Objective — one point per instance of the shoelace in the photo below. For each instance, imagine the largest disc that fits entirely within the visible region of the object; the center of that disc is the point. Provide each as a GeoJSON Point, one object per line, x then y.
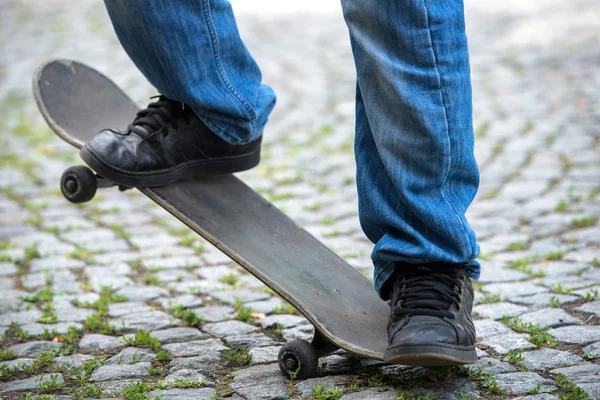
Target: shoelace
{"type": "Point", "coordinates": [428, 291]}
{"type": "Point", "coordinates": [157, 116]}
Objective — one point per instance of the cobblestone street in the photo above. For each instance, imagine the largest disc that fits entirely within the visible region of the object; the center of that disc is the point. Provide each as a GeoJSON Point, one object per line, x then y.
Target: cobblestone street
{"type": "Point", "coordinates": [117, 299]}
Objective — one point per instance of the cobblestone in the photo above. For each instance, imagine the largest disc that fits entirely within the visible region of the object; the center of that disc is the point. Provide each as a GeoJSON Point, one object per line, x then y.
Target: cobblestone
{"type": "Point", "coordinates": [548, 358]}
{"type": "Point", "coordinates": [183, 394]}
{"type": "Point", "coordinates": [263, 355]}
{"type": "Point", "coordinates": [549, 317]}
{"type": "Point", "coordinates": [100, 343]}
{"type": "Point", "coordinates": [74, 360]}
{"type": "Point", "coordinates": [492, 366]}
{"type": "Point", "coordinates": [372, 394]}
{"type": "Point", "coordinates": [502, 344]}
{"type": "Point", "coordinates": [132, 355]}
{"type": "Point", "coordinates": [120, 371]}
{"type": "Point", "coordinates": [188, 375]}
{"type": "Point", "coordinates": [586, 376]}
{"type": "Point", "coordinates": [486, 328]}
{"type": "Point", "coordinates": [593, 349]}
{"type": "Point", "coordinates": [305, 387]}
{"type": "Point", "coordinates": [181, 334]}
{"type": "Point", "coordinates": [34, 349]}
{"type": "Point", "coordinates": [448, 390]}
{"type": "Point", "coordinates": [591, 308]}
{"type": "Point", "coordinates": [29, 384]}
{"type": "Point", "coordinates": [194, 348]}
{"type": "Point", "coordinates": [498, 310]}
{"type": "Point", "coordinates": [260, 382]}
{"type": "Point", "coordinates": [535, 121]}
{"type": "Point", "coordinates": [147, 320]}
{"type": "Point", "coordinates": [523, 382]}
{"type": "Point", "coordinates": [229, 328]}
{"type": "Point", "coordinates": [577, 334]}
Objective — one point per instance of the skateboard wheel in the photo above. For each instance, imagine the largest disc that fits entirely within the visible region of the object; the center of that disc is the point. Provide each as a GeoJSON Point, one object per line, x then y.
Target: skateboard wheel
{"type": "Point", "coordinates": [78, 184]}
{"type": "Point", "coordinates": [298, 359]}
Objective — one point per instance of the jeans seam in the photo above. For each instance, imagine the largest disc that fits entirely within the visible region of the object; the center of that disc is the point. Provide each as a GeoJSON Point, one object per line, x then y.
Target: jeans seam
{"type": "Point", "coordinates": [444, 180]}
{"type": "Point", "coordinates": [217, 57]}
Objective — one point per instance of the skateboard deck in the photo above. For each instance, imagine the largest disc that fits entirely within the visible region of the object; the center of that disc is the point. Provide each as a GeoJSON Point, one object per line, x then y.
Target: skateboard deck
{"type": "Point", "coordinates": [78, 101]}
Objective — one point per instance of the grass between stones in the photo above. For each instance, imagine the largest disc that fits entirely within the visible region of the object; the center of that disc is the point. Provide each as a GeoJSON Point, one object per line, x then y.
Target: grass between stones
{"type": "Point", "coordinates": [151, 279]}
{"type": "Point", "coordinates": [558, 288]}
{"type": "Point", "coordinates": [189, 317]}
{"type": "Point", "coordinates": [321, 392]}
{"type": "Point", "coordinates": [514, 356]}
{"type": "Point", "coordinates": [554, 302]}
{"type": "Point", "coordinates": [139, 390]}
{"type": "Point", "coordinates": [8, 355]}
{"type": "Point", "coordinates": [591, 296]}
{"type": "Point", "coordinates": [76, 379]}
{"type": "Point", "coordinates": [52, 385]}
{"type": "Point", "coordinates": [584, 222]}
{"type": "Point", "coordinates": [82, 254]}
{"type": "Point", "coordinates": [244, 314]}
{"type": "Point", "coordinates": [142, 338]}
{"type": "Point", "coordinates": [285, 308]}
{"type": "Point", "coordinates": [537, 335]}
{"type": "Point", "coordinates": [568, 390]}
{"type": "Point", "coordinates": [17, 333]}
{"type": "Point", "coordinates": [44, 300]}
{"type": "Point", "coordinates": [98, 323]}
{"type": "Point", "coordinates": [107, 297]}
{"type": "Point", "coordinates": [518, 246]}
{"type": "Point", "coordinates": [484, 380]}
{"type": "Point", "coordinates": [238, 356]}
{"type": "Point", "coordinates": [489, 298]}
{"type": "Point", "coordinates": [555, 255]}
{"type": "Point", "coordinates": [230, 278]}
{"type": "Point", "coordinates": [523, 265]}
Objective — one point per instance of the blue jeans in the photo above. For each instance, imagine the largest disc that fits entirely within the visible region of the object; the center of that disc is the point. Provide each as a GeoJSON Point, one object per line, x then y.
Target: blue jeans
{"type": "Point", "coordinates": [416, 171]}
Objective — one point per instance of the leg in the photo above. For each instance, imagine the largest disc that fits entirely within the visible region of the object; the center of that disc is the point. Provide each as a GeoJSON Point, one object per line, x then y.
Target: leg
{"type": "Point", "coordinates": [213, 107]}
{"type": "Point", "coordinates": [191, 51]}
{"type": "Point", "coordinates": [414, 146]}
{"type": "Point", "coordinates": [416, 172]}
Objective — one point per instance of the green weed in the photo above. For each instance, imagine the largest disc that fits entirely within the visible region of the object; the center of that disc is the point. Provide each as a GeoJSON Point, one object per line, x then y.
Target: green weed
{"type": "Point", "coordinates": [189, 317]}
{"type": "Point", "coordinates": [98, 323]}
{"type": "Point", "coordinates": [321, 392]}
{"type": "Point", "coordinates": [489, 298]}
{"type": "Point", "coordinates": [7, 355]}
{"type": "Point", "coordinates": [518, 246]}
{"type": "Point", "coordinates": [584, 222]}
{"type": "Point", "coordinates": [142, 338]}
{"type": "Point", "coordinates": [239, 355]}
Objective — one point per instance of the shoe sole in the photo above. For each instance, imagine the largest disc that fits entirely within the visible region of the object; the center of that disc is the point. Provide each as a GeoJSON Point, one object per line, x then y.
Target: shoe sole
{"type": "Point", "coordinates": [431, 355]}
{"type": "Point", "coordinates": [187, 170]}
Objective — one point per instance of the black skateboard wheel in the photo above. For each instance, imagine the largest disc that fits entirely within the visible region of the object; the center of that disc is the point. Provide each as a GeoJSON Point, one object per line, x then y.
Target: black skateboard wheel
{"type": "Point", "coordinates": [78, 184]}
{"type": "Point", "coordinates": [298, 359]}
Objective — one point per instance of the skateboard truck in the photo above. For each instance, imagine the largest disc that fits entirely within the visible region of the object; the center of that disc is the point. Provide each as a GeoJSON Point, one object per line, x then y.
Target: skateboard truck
{"type": "Point", "coordinates": [79, 184]}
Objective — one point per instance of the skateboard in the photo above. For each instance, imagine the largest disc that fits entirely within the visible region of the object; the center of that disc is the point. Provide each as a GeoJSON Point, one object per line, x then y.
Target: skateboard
{"type": "Point", "coordinates": [77, 102]}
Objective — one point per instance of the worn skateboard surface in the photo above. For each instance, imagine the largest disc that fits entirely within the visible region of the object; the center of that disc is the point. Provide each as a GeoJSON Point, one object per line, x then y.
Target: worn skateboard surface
{"type": "Point", "coordinates": [77, 102]}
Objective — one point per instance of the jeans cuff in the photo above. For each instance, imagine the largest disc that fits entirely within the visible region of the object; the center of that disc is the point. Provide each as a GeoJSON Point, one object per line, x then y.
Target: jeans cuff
{"type": "Point", "coordinates": [383, 271]}
{"type": "Point", "coordinates": [232, 134]}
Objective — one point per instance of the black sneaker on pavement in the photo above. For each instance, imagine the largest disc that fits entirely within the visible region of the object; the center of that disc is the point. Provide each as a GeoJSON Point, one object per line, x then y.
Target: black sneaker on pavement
{"type": "Point", "coordinates": [165, 142]}
{"type": "Point", "coordinates": [430, 317]}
